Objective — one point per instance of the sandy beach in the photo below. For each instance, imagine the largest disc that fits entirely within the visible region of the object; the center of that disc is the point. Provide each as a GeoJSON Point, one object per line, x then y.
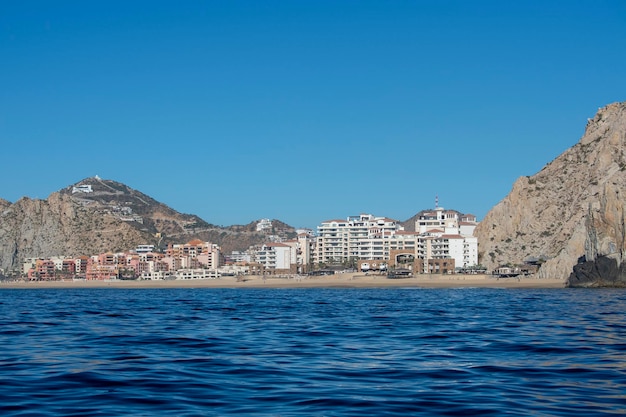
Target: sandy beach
{"type": "Point", "coordinates": [348, 280]}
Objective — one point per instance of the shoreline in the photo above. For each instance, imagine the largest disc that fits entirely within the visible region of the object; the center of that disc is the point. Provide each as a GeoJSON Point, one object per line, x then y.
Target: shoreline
{"type": "Point", "coordinates": [347, 280]}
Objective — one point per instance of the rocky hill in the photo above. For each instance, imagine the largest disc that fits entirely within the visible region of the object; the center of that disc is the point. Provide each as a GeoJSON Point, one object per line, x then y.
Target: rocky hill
{"type": "Point", "coordinates": [570, 215]}
{"type": "Point", "coordinates": [96, 215]}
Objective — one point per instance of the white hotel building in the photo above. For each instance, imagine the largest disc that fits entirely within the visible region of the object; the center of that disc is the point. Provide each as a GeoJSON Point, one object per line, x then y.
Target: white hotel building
{"type": "Point", "coordinates": [439, 234]}
{"type": "Point", "coordinates": [276, 257]}
{"type": "Point", "coordinates": [357, 237]}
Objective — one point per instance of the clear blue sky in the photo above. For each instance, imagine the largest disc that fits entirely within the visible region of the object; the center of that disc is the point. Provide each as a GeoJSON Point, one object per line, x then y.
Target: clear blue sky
{"type": "Point", "coordinates": [301, 110]}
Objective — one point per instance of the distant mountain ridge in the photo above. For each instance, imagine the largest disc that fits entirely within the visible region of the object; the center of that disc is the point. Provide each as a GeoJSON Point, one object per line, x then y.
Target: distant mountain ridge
{"type": "Point", "coordinates": [96, 215]}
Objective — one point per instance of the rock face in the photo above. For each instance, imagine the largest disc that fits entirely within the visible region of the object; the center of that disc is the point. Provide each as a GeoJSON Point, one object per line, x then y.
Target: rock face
{"type": "Point", "coordinates": [96, 215]}
{"type": "Point", "coordinates": [60, 226]}
{"type": "Point", "coordinates": [570, 215]}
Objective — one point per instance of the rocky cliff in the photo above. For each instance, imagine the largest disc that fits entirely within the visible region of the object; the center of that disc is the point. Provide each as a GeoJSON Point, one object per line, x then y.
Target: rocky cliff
{"type": "Point", "coordinates": [60, 226]}
{"type": "Point", "coordinates": [96, 215]}
{"type": "Point", "coordinates": [570, 215]}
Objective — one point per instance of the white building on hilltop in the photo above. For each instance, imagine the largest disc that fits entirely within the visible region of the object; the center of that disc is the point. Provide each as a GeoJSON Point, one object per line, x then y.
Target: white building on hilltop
{"type": "Point", "coordinates": [263, 224]}
{"type": "Point", "coordinates": [82, 188]}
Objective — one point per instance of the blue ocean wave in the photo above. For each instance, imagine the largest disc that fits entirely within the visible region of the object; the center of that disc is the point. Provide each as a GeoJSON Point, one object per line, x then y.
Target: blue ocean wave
{"type": "Point", "coordinates": [319, 352]}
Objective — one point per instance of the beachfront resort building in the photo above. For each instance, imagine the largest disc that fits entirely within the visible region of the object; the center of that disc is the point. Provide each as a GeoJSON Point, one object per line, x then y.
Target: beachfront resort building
{"type": "Point", "coordinates": [287, 257]}
{"type": "Point", "coordinates": [443, 241]}
{"type": "Point", "coordinates": [276, 257]}
{"type": "Point", "coordinates": [192, 260]}
{"type": "Point", "coordinates": [193, 254]}
{"type": "Point", "coordinates": [357, 237]}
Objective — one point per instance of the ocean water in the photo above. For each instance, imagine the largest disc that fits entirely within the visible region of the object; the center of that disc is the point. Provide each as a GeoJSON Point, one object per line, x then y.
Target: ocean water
{"type": "Point", "coordinates": [312, 352]}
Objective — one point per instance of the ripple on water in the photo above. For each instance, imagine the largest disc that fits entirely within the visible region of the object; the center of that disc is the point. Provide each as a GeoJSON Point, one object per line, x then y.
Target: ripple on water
{"type": "Point", "coordinates": [334, 352]}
